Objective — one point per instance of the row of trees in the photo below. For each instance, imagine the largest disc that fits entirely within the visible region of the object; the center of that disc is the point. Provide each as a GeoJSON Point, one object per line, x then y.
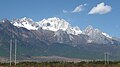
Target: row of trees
{"type": "Point", "coordinates": [63, 64]}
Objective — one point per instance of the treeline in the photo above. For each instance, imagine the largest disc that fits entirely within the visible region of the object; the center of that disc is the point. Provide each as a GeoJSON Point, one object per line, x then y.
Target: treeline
{"type": "Point", "coordinates": [63, 64]}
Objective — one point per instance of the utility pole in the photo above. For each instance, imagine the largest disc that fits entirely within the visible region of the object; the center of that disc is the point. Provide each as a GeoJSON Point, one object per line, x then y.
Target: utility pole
{"type": "Point", "coordinates": [10, 50]}
{"type": "Point", "coordinates": [15, 50]}
{"type": "Point", "coordinates": [106, 57]}
{"type": "Point", "coordinates": [13, 41]}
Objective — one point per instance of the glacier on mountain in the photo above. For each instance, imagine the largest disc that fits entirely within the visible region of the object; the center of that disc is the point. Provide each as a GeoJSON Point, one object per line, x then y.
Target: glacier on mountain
{"type": "Point", "coordinates": [52, 24]}
{"type": "Point", "coordinates": [55, 24]}
{"type": "Point", "coordinates": [25, 23]}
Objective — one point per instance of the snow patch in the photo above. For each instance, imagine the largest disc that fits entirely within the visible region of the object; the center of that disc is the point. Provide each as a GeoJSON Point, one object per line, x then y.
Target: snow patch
{"type": "Point", "coordinates": [106, 35]}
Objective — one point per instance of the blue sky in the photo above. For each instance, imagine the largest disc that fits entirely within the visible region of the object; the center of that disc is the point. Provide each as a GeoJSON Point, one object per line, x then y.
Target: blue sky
{"type": "Point", "coordinates": [105, 18]}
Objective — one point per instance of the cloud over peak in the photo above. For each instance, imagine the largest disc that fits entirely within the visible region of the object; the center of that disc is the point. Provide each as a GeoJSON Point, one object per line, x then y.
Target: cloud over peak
{"type": "Point", "coordinates": [100, 9]}
{"type": "Point", "coordinates": [76, 9]}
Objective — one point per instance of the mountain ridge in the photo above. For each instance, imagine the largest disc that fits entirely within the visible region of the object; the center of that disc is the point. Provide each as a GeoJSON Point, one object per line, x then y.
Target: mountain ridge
{"type": "Point", "coordinates": [47, 22]}
{"type": "Point", "coordinates": [59, 43]}
{"type": "Point", "coordinates": [55, 24]}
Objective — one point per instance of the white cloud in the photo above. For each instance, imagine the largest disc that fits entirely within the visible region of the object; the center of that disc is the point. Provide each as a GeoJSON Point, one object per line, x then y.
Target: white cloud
{"type": "Point", "coordinates": [65, 11]}
{"type": "Point", "coordinates": [76, 10]}
{"type": "Point", "coordinates": [100, 9]}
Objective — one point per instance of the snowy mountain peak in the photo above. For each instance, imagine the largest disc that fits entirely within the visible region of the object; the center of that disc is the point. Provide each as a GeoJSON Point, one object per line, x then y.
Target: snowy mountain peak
{"type": "Point", "coordinates": [52, 24]}
{"type": "Point", "coordinates": [25, 23]}
{"type": "Point", "coordinates": [25, 19]}
{"type": "Point", "coordinates": [106, 35]}
{"type": "Point", "coordinates": [96, 36]}
{"type": "Point", "coordinates": [89, 27]}
{"type": "Point", "coordinates": [4, 20]}
{"type": "Point", "coordinates": [55, 24]}
{"type": "Point", "coordinates": [89, 30]}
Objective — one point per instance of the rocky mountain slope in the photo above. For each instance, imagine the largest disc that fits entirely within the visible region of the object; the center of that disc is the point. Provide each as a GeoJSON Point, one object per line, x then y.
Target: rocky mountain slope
{"type": "Point", "coordinates": [55, 36]}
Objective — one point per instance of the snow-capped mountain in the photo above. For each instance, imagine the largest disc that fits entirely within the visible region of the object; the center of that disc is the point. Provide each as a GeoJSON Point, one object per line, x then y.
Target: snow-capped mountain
{"type": "Point", "coordinates": [55, 24]}
{"type": "Point", "coordinates": [97, 36]}
{"type": "Point", "coordinates": [52, 24]}
{"type": "Point", "coordinates": [54, 36]}
{"type": "Point", "coordinates": [25, 23]}
{"type": "Point", "coordinates": [60, 26]}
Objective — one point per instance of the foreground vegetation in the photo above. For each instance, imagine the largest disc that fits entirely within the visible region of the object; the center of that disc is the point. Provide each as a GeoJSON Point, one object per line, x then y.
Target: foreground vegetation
{"type": "Point", "coordinates": [63, 64]}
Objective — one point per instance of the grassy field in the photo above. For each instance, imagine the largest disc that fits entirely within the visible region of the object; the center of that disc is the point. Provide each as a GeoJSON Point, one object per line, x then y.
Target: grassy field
{"type": "Point", "coordinates": [62, 64]}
